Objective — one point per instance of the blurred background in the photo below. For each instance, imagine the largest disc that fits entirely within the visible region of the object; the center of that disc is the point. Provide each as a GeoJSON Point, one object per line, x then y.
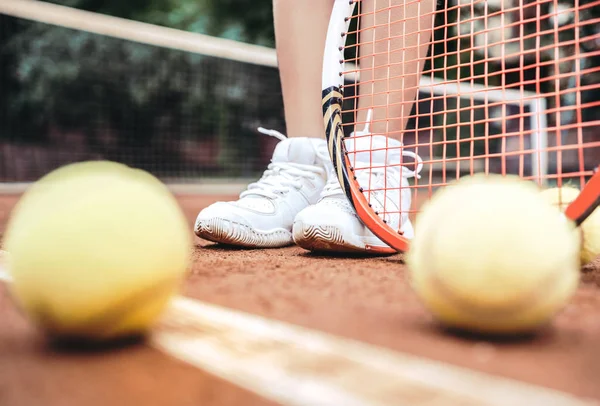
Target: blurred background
{"type": "Point", "coordinates": [69, 95]}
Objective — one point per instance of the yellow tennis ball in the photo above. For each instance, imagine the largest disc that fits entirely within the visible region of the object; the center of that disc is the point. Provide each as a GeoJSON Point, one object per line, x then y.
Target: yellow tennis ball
{"type": "Point", "coordinates": [97, 250]}
{"type": "Point", "coordinates": [589, 230]}
{"type": "Point", "coordinates": [561, 197]}
{"type": "Point", "coordinates": [491, 256]}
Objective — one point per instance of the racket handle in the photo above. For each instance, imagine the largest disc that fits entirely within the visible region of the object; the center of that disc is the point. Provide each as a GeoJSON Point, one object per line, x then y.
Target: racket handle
{"type": "Point", "coordinates": [587, 201]}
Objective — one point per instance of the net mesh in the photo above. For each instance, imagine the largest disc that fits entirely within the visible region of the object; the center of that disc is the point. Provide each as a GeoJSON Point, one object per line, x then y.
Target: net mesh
{"type": "Point", "coordinates": [71, 95]}
{"type": "Point", "coordinates": [502, 86]}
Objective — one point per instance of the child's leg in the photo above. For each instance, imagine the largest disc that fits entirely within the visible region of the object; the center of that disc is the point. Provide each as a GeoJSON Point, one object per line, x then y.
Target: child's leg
{"type": "Point", "coordinates": [388, 80]}
{"type": "Point", "coordinates": [300, 31]}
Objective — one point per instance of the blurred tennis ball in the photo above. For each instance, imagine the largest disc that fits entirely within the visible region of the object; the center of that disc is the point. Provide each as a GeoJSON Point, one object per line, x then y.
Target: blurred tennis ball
{"type": "Point", "coordinates": [588, 231]}
{"type": "Point", "coordinates": [491, 256]}
{"type": "Point", "coordinates": [97, 250]}
{"type": "Point", "coordinates": [561, 197]}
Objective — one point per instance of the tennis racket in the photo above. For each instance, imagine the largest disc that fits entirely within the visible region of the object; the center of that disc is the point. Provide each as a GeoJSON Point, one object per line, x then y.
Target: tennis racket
{"type": "Point", "coordinates": [390, 153]}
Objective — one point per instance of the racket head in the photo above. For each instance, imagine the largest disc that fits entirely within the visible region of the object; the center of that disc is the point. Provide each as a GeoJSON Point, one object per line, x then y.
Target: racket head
{"type": "Point", "coordinates": [525, 128]}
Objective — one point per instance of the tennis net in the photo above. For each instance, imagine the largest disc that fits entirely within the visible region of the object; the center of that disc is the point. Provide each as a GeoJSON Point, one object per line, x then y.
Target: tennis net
{"type": "Point", "coordinates": [78, 86]}
{"type": "Point", "coordinates": [84, 86]}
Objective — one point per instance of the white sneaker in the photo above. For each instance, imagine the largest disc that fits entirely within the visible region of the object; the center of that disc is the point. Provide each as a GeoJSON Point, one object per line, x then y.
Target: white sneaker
{"type": "Point", "coordinates": [264, 214]}
{"type": "Point", "coordinates": [332, 223]}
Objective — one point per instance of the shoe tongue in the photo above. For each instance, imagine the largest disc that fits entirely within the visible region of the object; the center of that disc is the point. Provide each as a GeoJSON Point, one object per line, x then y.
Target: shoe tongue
{"type": "Point", "coordinates": [295, 150]}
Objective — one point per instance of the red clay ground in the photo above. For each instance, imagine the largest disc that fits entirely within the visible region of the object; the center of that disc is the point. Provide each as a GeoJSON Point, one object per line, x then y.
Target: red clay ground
{"type": "Point", "coordinates": [365, 299]}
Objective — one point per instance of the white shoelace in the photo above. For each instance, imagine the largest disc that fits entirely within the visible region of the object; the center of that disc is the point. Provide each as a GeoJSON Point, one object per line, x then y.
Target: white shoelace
{"type": "Point", "coordinates": [281, 177]}
{"type": "Point", "coordinates": [333, 186]}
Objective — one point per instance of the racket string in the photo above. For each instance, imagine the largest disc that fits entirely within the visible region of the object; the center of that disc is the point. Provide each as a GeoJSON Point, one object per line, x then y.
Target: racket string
{"type": "Point", "coordinates": [467, 87]}
{"type": "Point", "coordinates": [383, 180]}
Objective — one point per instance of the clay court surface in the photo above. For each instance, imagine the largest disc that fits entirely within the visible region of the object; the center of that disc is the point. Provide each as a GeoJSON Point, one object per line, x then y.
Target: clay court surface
{"type": "Point", "coordinates": [364, 299]}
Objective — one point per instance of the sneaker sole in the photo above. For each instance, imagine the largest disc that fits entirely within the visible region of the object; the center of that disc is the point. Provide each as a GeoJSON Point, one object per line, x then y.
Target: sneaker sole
{"type": "Point", "coordinates": [231, 233]}
{"type": "Point", "coordinates": [331, 238]}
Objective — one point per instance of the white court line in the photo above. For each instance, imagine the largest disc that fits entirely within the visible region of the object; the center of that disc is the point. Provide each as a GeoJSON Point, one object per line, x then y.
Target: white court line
{"type": "Point", "coordinates": [4, 276]}
{"type": "Point", "coordinates": [297, 366]}
{"type": "Point", "coordinates": [300, 367]}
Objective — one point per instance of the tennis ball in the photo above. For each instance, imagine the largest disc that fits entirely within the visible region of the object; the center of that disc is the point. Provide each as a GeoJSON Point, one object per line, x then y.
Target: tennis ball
{"type": "Point", "coordinates": [588, 231]}
{"type": "Point", "coordinates": [491, 256]}
{"type": "Point", "coordinates": [97, 250]}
